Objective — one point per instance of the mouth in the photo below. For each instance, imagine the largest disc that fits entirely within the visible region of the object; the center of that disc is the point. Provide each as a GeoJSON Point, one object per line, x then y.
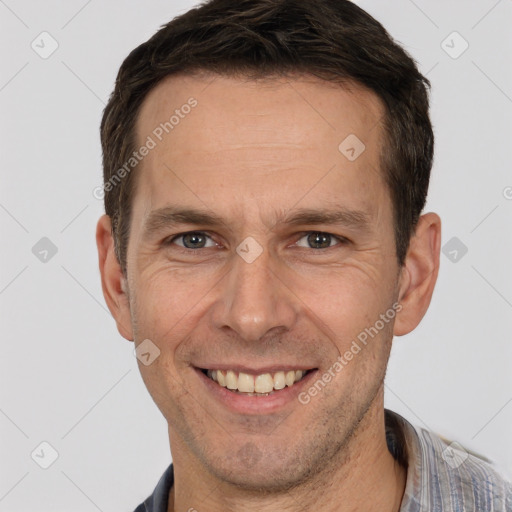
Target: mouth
{"type": "Point", "coordinates": [250, 384]}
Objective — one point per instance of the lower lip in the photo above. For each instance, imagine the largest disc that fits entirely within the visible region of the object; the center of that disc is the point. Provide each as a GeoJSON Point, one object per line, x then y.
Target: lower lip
{"type": "Point", "coordinates": [256, 405]}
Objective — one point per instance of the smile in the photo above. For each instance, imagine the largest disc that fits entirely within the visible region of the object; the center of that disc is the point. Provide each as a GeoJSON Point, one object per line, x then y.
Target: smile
{"type": "Point", "coordinates": [263, 384]}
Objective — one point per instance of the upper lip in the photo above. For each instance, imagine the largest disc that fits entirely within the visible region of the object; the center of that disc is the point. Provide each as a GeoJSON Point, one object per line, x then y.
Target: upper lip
{"type": "Point", "coordinates": [255, 371]}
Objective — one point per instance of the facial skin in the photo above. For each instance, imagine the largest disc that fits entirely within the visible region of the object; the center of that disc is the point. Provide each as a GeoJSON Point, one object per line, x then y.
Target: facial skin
{"type": "Point", "coordinates": [254, 154]}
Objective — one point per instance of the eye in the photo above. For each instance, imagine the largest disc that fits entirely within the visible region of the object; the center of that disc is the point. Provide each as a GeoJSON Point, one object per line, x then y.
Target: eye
{"type": "Point", "coordinates": [319, 240]}
{"type": "Point", "coordinates": [192, 240]}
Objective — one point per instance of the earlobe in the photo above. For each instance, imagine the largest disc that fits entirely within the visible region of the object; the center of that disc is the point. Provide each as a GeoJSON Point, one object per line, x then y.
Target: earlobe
{"type": "Point", "coordinates": [419, 274]}
{"type": "Point", "coordinates": [113, 282]}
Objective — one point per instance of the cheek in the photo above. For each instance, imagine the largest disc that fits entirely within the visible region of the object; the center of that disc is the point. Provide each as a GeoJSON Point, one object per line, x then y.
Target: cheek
{"type": "Point", "coordinates": [345, 299]}
{"type": "Point", "coordinates": [165, 312]}
{"type": "Point", "coordinates": [166, 296]}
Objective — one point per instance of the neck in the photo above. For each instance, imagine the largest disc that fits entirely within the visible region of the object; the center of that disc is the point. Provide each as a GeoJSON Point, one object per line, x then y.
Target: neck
{"type": "Point", "coordinates": [362, 476]}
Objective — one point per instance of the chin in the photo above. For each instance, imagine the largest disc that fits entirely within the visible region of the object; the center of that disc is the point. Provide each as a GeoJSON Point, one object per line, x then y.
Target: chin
{"type": "Point", "coordinates": [264, 468]}
{"type": "Point", "coordinates": [260, 479]}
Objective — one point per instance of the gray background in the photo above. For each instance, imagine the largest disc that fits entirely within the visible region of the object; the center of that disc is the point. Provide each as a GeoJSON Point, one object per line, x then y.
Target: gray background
{"type": "Point", "coordinates": [68, 378]}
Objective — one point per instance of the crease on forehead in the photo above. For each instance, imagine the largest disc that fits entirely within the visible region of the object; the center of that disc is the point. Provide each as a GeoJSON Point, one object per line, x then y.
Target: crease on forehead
{"type": "Point", "coordinates": [300, 128]}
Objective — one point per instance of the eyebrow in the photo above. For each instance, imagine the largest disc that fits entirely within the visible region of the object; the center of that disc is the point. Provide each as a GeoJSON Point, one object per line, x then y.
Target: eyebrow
{"type": "Point", "coordinates": [356, 219]}
{"type": "Point", "coordinates": [169, 217]}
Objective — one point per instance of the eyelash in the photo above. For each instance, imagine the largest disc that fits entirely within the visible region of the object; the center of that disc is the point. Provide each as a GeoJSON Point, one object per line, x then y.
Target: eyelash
{"type": "Point", "coordinates": [341, 240]}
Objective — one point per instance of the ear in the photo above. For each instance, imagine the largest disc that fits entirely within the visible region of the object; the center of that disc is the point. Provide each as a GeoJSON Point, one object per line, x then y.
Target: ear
{"type": "Point", "coordinates": [418, 275]}
{"type": "Point", "coordinates": [113, 281]}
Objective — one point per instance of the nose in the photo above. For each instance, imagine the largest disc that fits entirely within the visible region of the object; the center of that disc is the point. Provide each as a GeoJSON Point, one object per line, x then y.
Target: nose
{"type": "Point", "coordinates": [254, 300]}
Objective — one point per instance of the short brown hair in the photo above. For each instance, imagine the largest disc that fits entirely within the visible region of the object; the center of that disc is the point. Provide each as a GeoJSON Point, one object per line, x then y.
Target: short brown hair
{"type": "Point", "coordinates": [333, 40]}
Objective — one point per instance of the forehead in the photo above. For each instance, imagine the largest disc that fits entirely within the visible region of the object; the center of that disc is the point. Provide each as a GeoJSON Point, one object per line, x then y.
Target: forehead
{"type": "Point", "coordinates": [240, 140]}
{"type": "Point", "coordinates": [227, 102]}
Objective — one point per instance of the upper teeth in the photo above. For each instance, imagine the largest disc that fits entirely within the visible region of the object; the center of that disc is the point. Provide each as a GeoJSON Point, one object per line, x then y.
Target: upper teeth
{"type": "Point", "coordinates": [263, 383]}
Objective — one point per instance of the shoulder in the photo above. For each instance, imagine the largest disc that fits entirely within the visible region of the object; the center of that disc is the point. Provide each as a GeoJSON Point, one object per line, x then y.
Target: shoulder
{"type": "Point", "coordinates": [469, 478]}
{"type": "Point", "coordinates": [158, 501]}
{"type": "Point", "coordinates": [445, 476]}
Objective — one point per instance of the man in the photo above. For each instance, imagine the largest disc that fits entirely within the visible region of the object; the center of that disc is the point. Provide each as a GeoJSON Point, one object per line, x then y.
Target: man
{"type": "Point", "coordinates": [266, 166]}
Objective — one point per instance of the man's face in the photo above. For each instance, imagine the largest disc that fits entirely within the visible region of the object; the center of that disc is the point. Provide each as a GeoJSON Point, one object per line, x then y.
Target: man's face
{"type": "Point", "coordinates": [265, 284]}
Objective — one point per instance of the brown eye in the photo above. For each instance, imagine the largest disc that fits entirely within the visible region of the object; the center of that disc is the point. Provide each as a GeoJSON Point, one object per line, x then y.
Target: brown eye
{"type": "Point", "coordinates": [318, 240]}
